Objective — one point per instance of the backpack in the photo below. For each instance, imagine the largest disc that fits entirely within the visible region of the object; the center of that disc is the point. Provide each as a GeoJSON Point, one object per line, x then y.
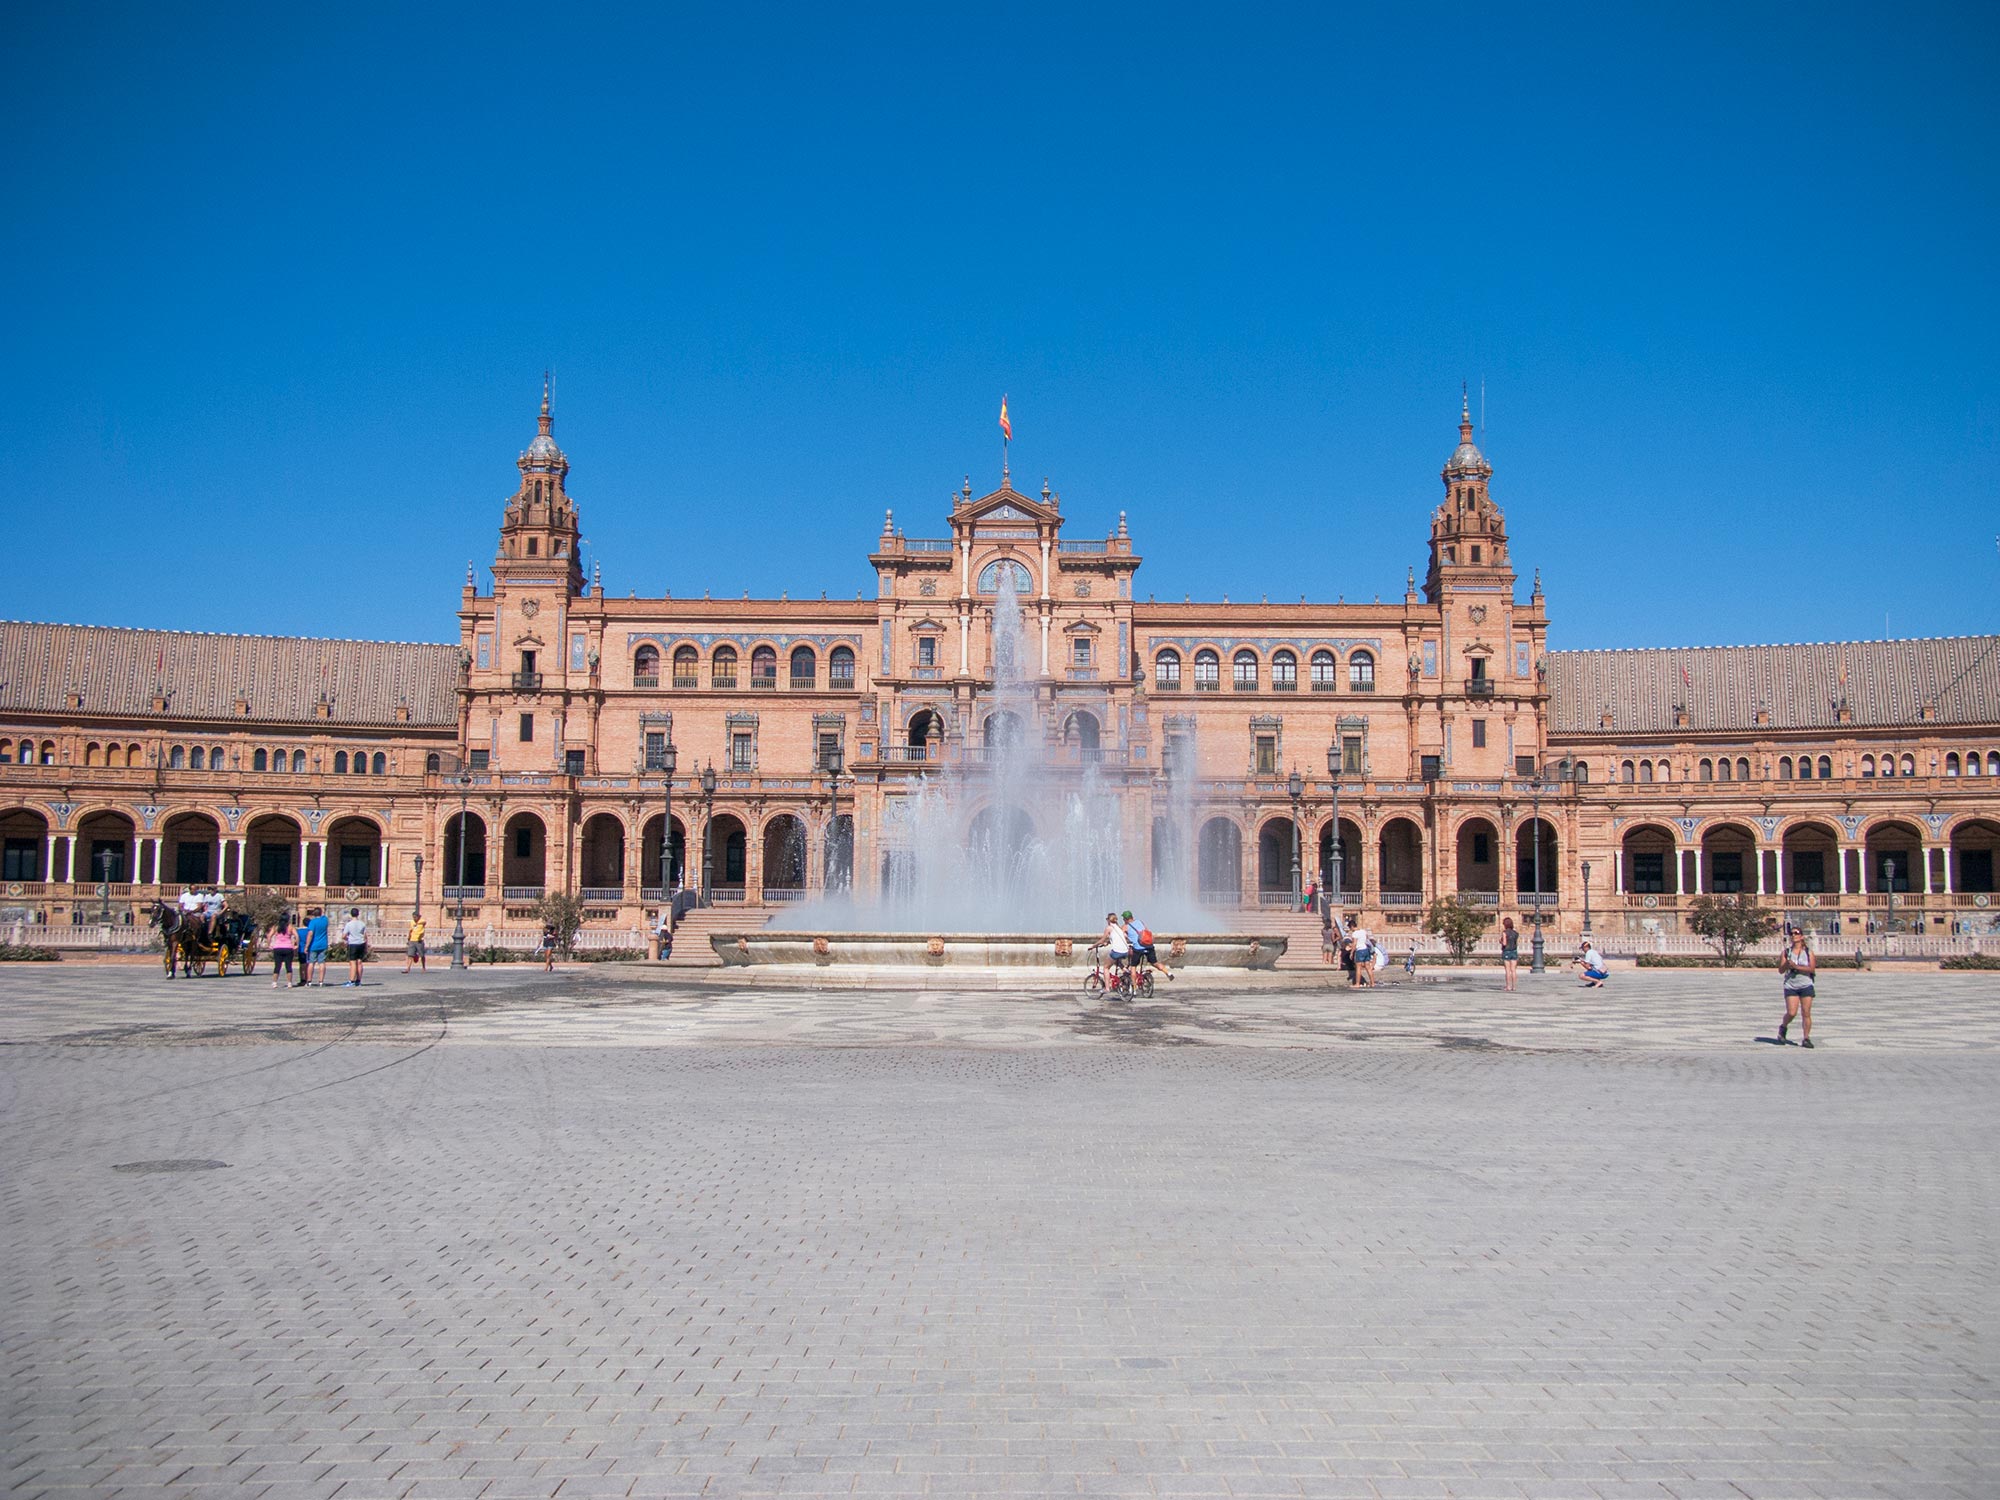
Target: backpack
{"type": "Point", "coordinates": [1146, 936]}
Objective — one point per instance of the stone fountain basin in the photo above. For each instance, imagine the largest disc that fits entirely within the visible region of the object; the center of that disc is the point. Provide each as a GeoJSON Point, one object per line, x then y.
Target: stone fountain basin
{"type": "Point", "coordinates": [983, 950]}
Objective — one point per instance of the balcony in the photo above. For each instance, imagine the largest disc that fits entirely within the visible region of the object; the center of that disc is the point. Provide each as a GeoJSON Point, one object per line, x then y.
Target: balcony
{"type": "Point", "coordinates": [647, 680]}
{"type": "Point", "coordinates": [686, 682]}
{"type": "Point", "coordinates": [723, 682]}
{"type": "Point", "coordinates": [1479, 687]}
{"type": "Point", "coordinates": [804, 684]}
{"type": "Point", "coordinates": [521, 893]}
{"type": "Point", "coordinates": [1284, 684]}
{"type": "Point", "coordinates": [840, 683]}
{"type": "Point", "coordinates": [762, 683]}
{"type": "Point", "coordinates": [601, 895]}
{"type": "Point", "coordinates": [527, 682]}
{"type": "Point", "coordinates": [1207, 687]}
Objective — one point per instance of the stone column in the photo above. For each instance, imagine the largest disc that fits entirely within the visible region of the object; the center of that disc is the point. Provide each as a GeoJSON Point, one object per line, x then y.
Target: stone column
{"type": "Point", "coordinates": [1757, 853]}
{"type": "Point", "coordinates": [1924, 858]}
{"type": "Point", "coordinates": [49, 860]}
{"type": "Point", "coordinates": [1696, 851]}
{"type": "Point", "coordinates": [1618, 869]}
{"type": "Point", "coordinates": [1947, 871]}
{"type": "Point", "coordinates": [1840, 866]}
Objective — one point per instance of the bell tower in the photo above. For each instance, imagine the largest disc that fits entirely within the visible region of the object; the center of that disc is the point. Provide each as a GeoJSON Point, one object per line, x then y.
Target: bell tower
{"type": "Point", "coordinates": [538, 534]}
{"type": "Point", "coordinates": [1468, 533]}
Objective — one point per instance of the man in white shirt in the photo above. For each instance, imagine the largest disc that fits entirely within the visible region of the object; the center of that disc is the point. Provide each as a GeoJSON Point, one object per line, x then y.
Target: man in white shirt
{"type": "Point", "coordinates": [354, 933]}
{"type": "Point", "coordinates": [1364, 956]}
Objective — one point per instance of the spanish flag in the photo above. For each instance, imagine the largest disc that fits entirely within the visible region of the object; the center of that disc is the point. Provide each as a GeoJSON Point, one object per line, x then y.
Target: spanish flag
{"type": "Point", "coordinates": [1006, 427]}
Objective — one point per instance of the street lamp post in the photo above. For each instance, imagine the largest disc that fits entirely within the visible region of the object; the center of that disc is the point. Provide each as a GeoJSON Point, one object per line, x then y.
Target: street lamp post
{"type": "Point", "coordinates": [1586, 895]}
{"type": "Point", "coordinates": [1333, 780]}
{"type": "Point", "coordinates": [707, 831]}
{"type": "Point", "coordinates": [1536, 960]}
{"type": "Point", "coordinates": [834, 761]}
{"type": "Point", "coordinates": [669, 761]}
{"type": "Point", "coordinates": [420, 883]}
{"type": "Point", "coordinates": [1296, 785]}
{"type": "Point", "coordinates": [464, 779]}
{"type": "Point", "coordinates": [1889, 880]}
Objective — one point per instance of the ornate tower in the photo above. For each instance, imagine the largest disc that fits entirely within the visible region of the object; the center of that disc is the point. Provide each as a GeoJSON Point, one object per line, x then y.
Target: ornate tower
{"type": "Point", "coordinates": [1468, 533]}
{"type": "Point", "coordinates": [538, 535]}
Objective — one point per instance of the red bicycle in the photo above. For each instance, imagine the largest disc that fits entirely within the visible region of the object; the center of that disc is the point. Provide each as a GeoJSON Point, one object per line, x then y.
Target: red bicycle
{"type": "Point", "coordinates": [1124, 980]}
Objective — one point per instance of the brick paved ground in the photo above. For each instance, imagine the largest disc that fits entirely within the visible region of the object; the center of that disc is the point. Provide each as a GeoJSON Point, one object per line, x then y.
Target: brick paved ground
{"type": "Point", "coordinates": [735, 1243]}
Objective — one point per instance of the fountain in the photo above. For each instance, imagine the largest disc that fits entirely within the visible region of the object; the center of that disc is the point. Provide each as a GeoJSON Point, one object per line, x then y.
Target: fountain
{"type": "Point", "coordinates": [1008, 858]}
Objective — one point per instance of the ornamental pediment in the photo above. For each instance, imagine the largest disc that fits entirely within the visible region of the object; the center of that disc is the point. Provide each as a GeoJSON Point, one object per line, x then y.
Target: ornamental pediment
{"type": "Point", "coordinates": [1006, 507]}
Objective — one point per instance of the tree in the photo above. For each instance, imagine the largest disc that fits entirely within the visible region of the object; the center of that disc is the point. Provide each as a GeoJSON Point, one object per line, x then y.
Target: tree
{"type": "Point", "coordinates": [1459, 923]}
{"type": "Point", "coordinates": [562, 912]}
{"type": "Point", "coordinates": [260, 903]}
{"type": "Point", "coordinates": [1730, 923]}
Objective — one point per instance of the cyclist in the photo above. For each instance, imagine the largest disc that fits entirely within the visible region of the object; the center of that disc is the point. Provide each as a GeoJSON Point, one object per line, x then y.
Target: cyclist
{"type": "Point", "coordinates": [1140, 937]}
{"type": "Point", "coordinates": [1118, 944]}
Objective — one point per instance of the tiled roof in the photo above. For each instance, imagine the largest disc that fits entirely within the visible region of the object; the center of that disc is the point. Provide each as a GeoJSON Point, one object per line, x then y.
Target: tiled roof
{"type": "Point", "coordinates": [1884, 682]}
{"type": "Point", "coordinates": [117, 673]}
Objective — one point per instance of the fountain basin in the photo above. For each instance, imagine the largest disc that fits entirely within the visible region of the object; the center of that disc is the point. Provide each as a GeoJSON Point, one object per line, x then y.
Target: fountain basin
{"type": "Point", "coordinates": [1060, 952]}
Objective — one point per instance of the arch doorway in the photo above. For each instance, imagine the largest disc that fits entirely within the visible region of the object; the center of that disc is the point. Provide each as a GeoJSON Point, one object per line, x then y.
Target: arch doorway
{"type": "Point", "coordinates": [649, 856]}
{"type": "Point", "coordinates": [105, 848]}
{"type": "Point", "coordinates": [524, 853]}
{"type": "Point", "coordinates": [24, 835]}
{"type": "Point", "coordinates": [1478, 858]}
{"type": "Point", "coordinates": [470, 876]}
{"type": "Point", "coordinates": [601, 856]}
{"type": "Point", "coordinates": [926, 734]}
{"type": "Point", "coordinates": [1402, 860]}
{"type": "Point", "coordinates": [191, 846]}
{"type": "Point", "coordinates": [729, 855]}
{"type": "Point", "coordinates": [273, 851]}
{"type": "Point", "coordinates": [784, 855]}
{"type": "Point", "coordinates": [354, 845]}
{"type": "Point", "coordinates": [1649, 864]}
{"type": "Point", "coordinates": [1274, 858]}
{"type": "Point", "coordinates": [1349, 876]}
{"type": "Point", "coordinates": [1219, 861]}
{"type": "Point", "coordinates": [1728, 860]}
{"type": "Point", "coordinates": [1975, 850]}
{"type": "Point", "coordinates": [1537, 866]}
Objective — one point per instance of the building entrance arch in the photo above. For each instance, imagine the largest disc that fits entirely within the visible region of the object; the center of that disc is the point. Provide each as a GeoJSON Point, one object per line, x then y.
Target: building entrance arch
{"type": "Point", "coordinates": [24, 840]}
{"type": "Point", "coordinates": [601, 854]}
{"type": "Point", "coordinates": [784, 854]}
{"type": "Point", "coordinates": [1649, 864]}
{"type": "Point", "coordinates": [1728, 860]}
{"type": "Point", "coordinates": [106, 848]}
{"type": "Point", "coordinates": [474, 867]}
{"type": "Point", "coordinates": [354, 845]}
{"type": "Point", "coordinates": [271, 855]}
{"type": "Point", "coordinates": [192, 846]}
{"type": "Point", "coordinates": [1975, 850]}
{"type": "Point", "coordinates": [1477, 858]}
{"type": "Point", "coordinates": [1401, 852]}
{"type": "Point", "coordinates": [1219, 861]}
{"type": "Point", "coordinates": [524, 855]}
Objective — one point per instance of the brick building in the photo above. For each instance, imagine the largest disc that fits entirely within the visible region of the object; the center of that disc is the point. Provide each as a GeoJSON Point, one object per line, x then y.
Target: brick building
{"type": "Point", "coordinates": [1432, 744]}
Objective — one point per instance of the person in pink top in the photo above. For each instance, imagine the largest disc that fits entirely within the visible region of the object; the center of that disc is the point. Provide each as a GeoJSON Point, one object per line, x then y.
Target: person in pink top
{"type": "Point", "coordinates": [284, 943]}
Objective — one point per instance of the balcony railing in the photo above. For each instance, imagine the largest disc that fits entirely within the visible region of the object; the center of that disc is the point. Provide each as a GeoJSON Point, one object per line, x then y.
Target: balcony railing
{"type": "Point", "coordinates": [764, 683]}
{"type": "Point", "coordinates": [804, 684]}
{"type": "Point", "coordinates": [1479, 687]}
{"type": "Point", "coordinates": [1284, 684]}
{"type": "Point", "coordinates": [521, 892]}
{"type": "Point", "coordinates": [723, 895]}
{"type": "Point", "coordinates": [686, 682]}
{"type": "Point", "coordinates": [1210, 686]}
{"type": "Point", "coordinates": [926, 544]}
{"type": "Point", "coordinates": [647, 680]}
{"type": "Point", "coordinates": [840, 682]}
{"type": "Point", "coordinates": [527, 682]}
{"type": "Point", "coordinates": [1402, 898]}
{"type": "Point", "coordinates": [784, 893]}
{"type": "Point", "coordinates": [723, 681]}
{"type": "Point", "coordinates": [601, 894]}
{"type": "Point", "coordinates": [463, 893]}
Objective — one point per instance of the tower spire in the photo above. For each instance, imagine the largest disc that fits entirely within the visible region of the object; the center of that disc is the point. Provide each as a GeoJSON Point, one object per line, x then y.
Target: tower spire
{"type": "Point", "coordinates": [545, 423]}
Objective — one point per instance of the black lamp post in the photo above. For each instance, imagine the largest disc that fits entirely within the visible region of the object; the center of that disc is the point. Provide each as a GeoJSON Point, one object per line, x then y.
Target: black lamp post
{"type": "Point", "coordinates": [1296, 785]}
{"type": "Point", "coordinates": [1889, 880]}
{"type": "Point", "coordinates": [464, 780]}
{"type": "Point", "coordinates": [707, 831]}
{"type": "Point", "coordinates": [1536, 956]}
{"type": "Point", "coordinates": [1333, 780]}
{"type": "Point", "coordinates": [1586, 895]}
{"type": "Point", "coordinates": [834, 760]}
{"type": "Point", "coordinates": [420, 884]}
{"type": "Point", "coordinates": [669, 761]}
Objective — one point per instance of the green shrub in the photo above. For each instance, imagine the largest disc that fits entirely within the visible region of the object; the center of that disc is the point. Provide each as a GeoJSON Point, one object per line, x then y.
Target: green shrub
{"type": "Point", "coordinates": [27, 953]}
{"type": "Point", "coordinates": [1755, 961]}
{"type": "Point", "coordinates": [608, 955]}
{"type": "Point", "coordinates": [1971, 961]}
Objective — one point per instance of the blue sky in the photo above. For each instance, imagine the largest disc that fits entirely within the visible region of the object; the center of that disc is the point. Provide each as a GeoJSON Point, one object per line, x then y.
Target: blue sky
{"type": "Point", "coordinates": [284, 286]}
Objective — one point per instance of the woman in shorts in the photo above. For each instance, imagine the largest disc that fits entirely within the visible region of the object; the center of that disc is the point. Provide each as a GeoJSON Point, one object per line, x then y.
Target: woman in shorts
{"type": "Point", "coordinates": [414, 953]}
{"type": "Point", "coordinates": [1798, 967]}
{"type": "Point", "coordinates": [1510, 949]}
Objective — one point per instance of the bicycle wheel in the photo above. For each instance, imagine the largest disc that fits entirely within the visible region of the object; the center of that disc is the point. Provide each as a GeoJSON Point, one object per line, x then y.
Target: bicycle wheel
{"type": "Point", "coordinates": [1145, 983]}
{"type": "Point", "coordinates": [1093, 983]}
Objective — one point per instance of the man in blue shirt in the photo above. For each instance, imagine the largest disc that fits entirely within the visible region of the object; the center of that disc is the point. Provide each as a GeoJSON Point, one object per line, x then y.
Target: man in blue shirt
{"type": "Point", "coordinates": [312, 944]}
{"type": "Point", "coordinates": [1141, 938]}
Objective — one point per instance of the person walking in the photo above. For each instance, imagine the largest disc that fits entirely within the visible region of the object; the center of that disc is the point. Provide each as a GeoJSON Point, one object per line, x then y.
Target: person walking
{"type": "Point", "coordinates": [1364, 959]}
{"type": "Point", "coordinates": [1510, 951]}
{"type": "Point", "coordinates": [414, 953]}
{"type": "Point", "coordinates": [548, 947]}
{"type": "Point", "coordinates": [284, 943]}
{"type": "Point", "coordinates": [1798, 966]}
{"type": "Point", "coordinates": [354, 933]}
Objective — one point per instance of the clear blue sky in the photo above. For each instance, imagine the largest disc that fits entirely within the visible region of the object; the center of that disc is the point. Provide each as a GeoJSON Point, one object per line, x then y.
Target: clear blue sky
{"type": "Point", "coordinates": [283, 286]}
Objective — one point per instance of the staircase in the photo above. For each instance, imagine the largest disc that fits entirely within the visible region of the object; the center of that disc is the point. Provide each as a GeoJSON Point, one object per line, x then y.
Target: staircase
{"type": "Point", "coordinates": [1300, 929]}
{"type": "Point", "coordinates": [692, 949]}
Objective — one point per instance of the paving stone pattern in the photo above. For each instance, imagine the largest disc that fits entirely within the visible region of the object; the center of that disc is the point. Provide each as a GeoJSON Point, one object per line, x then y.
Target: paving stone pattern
{"type": "Point", "coordinates": [1338, 1251]}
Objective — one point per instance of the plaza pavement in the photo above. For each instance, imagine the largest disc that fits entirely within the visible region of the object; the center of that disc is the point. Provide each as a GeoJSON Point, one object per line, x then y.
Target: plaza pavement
{"type": "Point", "coordinates": [592, 1234]}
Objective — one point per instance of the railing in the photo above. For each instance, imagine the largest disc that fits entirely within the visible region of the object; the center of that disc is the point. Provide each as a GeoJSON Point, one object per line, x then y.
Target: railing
{"type": "Point", "coordinates": [463, 893]}
{"type": "Point", "coordinates": [1401, 898]}
{"type": "Point", "coordinates": [840, 682]}
{"type": "Point", "coordinates": [521, 892]}
{"type": "Point", "coordinates": [1281, 685]}
{"type": "Point", "coordinates": [780, 894]}
{"type": "Point", "coordinates": [1536, 902]}
{"type": "Point", "coordinates": [1652, 900]}
{"type": "Point", "coordinates": [725, 894]}
{"type": "Point", "coordinates": [1479, 687]}
{"type": "Point", "coordinates": [1083, 546]}
{"type": "Point", "coordinates": [1479, 898]}
{"type": "Point", "coordinates": [686, 682]}
{"type": "Point", "coordinates": [907, 752]}
{"type": "Point", "coordinates": [925, 544]}
{"type": "Point", "coordinates": [649, 680]}
{"type": "Point", "coordinates": [1221, 896]}
{"type": "Point", "coordinates": [89, 888]}
{"type": "Point", "coordinates": [723, 682]}
{"type": "Point", "coordinates": [601, 894]}
{"type": "Point", "coordinates": [1274, 898]}
{"type": "Point", "coordinates": [804, 684]}
{"type": "Point", "coordinates": [927, 674]}
{"type": "Point", "coordinates": [1211, 686]}
{"type": "Point", "coordinates": [763, 683]}
{"type": "Point", "coordinates": [1320, 685]}
{"type": "Point", "coordinates": [527, 682]}
{"type": "Point", "coordinates": [1245, 685]}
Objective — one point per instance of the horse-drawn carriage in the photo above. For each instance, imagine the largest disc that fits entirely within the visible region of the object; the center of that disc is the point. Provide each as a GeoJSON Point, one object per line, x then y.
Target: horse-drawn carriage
{"type": "Point", "coordinates": [192, 944]}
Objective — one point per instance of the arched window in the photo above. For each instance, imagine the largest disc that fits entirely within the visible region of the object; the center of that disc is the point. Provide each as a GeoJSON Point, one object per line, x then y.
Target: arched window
{"type": "Point", "coordinates": [1207, 671]}
{"type": "Point", "coordinates": [840, 669]}
{"type": "Point", "coordinates": [1243, 671]}
{"type": "Point", "coordinates": [1005, 569]}
{"type": "Point", "coordinates": [805, 669]}
{"type": "Point", "coordinates": [1361, 672]}
{"type": "Point", "coordinates": [646, 667]}
{"type": "Point", "coordinates": [1784, 768]}
{"type": "Point", "coordinates": [49, 752]}
{"type": "Point", "coordinates": [1706, 770]}
{"type": "Point", "coordinates": [1867, 767]}
{"type": "Point", "coordinates": [1723, 771]}
{"type": "Point", "coordinates": [215, 759]}
{"type": "Point", "coordinates": [361, 763]}
{"type": "Point", "coordinates": [1742, 768]}
{"type": "Point", "coordinates": [1972, 763]}
{"type": "Point", "coordinates": [380, 764]}
{"type": "Point", "coordinates": [1951, 764]}
{"type": "Point", "coordinates": [1805, 768]}
{"type": "Point", "coordinates": [93, 755]}
{"type": "Point", "coordinates": [1826, 768]}
{"type": "Point", "coordinates": [687, 667]}
{"type": "Point", "coordinates": [1646, 773]}
{"type": "Point", "coordinates": [259, 760]}
{"type": "Point", "coordinates": [1325, 672]}
{"type": "Point", "coordinates": [1284, 672]}
{"type": "Point", "coordinates": [1993, 762]}
{"type": "Point", "coordinates": [197, 758]}
{"type": "Point", "coordinates": [340, 761]}
{"type": "Point", "coordinates": [722, 667]}
{"type": "Point", "coordinates": [764, 667]}
{"type": "Point", "coordinates": [1909, 765]}
{"type": "Point", "coordinates": [278, 760]}
{"type": "Point", "coordinates": [1167, 671]}
{"type": "Point", "coordinates": [433, 763]}
{"type": "Point", "coordinates": [1627, 773]}
{"type": "Point", "coordinates": [1583, 770]}
{"type": "Point", "coordinates": [298, 761]}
